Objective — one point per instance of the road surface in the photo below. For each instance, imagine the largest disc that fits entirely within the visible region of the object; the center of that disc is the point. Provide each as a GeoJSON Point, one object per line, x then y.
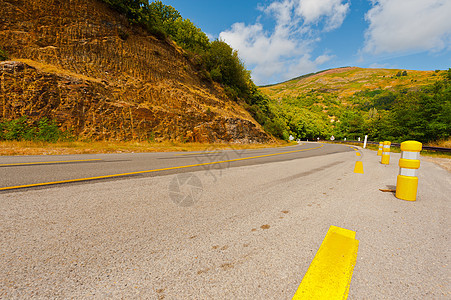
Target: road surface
{"type": "Point", "coordinates": [29, 171]}
{"type": "Point", "coordinates": [238, 232]}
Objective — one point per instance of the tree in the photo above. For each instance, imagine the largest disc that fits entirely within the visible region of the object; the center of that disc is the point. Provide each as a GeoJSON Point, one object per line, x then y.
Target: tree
{"type": "Point", "coordinates": [3, 55]}
{"type": "Point", "coordinates": [164, 16]}
{"type": "Point", "coordinates": [189, 36]}
{"type": "Point", "coordinates": [226, 67]}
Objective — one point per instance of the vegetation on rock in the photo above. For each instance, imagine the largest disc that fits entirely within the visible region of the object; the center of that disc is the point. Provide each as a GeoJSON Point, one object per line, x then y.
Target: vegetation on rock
{"type": "Point", "coordinates": [3, 55]}
{"type": "Point", "coordinates": [24, 129]}
{"type": "Point", "coordinates": [216, 60]}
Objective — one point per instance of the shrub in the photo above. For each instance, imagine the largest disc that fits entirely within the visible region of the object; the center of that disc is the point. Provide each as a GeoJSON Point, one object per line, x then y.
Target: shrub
{"type": "Point", "coordinates": [3, 55]}
{"type": "Point", "coordinates": [23, 129]}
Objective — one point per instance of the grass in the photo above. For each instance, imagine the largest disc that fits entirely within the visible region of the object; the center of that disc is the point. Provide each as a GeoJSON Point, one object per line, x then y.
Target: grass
{"type": "Point", "coordinates": [354, 80]}
{"type": "Point", "coordinates": [444, 143]}
{"type": "Point", "coordinates": [47, 68]}
{"type": "Point", "coordinates": [10, 148]}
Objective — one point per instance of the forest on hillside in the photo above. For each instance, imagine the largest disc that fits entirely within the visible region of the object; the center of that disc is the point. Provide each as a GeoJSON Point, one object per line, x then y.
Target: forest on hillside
{"type": "Point", "coordinates": [422, 114]}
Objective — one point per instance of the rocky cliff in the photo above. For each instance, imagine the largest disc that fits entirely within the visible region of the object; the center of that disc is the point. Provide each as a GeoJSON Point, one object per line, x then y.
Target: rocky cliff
{"type": "Point", "coordinates": [84, 65]}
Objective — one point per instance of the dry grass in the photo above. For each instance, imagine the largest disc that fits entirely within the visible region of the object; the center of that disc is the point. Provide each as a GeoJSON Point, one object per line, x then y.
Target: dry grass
{"type": "Point", "coordinates": [48, 68]}
{"type": "Point", "coordinates": [443, 143]}
{"type": "Point", "coordinates": [10, 148]}
{"type": "Point", "coordinates": [347, 81]}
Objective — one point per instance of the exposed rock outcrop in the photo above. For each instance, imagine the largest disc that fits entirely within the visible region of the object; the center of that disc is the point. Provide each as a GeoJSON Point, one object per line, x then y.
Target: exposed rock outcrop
{"type": "Point", "coordinates": [81, 63]}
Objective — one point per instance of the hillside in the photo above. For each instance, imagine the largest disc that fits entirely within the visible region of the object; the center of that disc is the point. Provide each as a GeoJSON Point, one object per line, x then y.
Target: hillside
{"type": "Point", "coordinates": [84, 65]}
{"type": "Point", "coordinates": [352, 102]}
{"type": "Point", "coordinates": [346, 82]}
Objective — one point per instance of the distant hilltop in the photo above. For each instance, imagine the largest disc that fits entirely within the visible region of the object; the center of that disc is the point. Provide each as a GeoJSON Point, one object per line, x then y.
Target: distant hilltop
{"type": "Point", "coordinates": [347, 81]}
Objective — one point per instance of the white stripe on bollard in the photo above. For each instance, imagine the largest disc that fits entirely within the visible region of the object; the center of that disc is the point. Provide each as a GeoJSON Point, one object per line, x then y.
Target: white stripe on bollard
{"type": "Point", "coordinates": [408, 172]}
{"type": "Point", "coordinates": [410, 155]}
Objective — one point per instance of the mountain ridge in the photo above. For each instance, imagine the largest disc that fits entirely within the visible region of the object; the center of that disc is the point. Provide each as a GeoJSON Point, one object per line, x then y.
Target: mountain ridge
{"type": "Point", "coordinates": [359, 75]}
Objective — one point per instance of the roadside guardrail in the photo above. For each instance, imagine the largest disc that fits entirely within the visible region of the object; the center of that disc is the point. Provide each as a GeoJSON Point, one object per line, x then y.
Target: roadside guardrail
{"type": "Point", "coordinates": [440, 149]}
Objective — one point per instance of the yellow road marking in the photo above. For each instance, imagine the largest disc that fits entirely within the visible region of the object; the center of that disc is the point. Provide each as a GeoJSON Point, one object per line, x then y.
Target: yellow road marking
{"type": "Point", "coordinates": [46, 162]}
{"type": "Point", "coordinates": [223, 150]}
{"type": "Point", "coordinates": [148, 171]}
{"type": "Point", "coordinates": [329, 275]}
{"type": "Point", "coordinates": [198, 153]}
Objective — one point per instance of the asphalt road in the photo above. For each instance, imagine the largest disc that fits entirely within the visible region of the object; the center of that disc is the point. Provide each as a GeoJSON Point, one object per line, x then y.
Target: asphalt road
{"type": "Point", "coordinates": [17, 171]}
{"type": "Point", "coordinates": [239, 232]}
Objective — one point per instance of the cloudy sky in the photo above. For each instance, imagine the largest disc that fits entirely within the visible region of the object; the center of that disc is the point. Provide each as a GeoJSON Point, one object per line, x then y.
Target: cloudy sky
{"type": "Point", "coordinates": [281, 39]}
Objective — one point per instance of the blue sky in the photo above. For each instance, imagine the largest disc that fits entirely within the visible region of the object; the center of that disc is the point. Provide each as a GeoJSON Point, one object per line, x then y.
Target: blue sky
{"type": "Point", "coordinates": [281, 39]}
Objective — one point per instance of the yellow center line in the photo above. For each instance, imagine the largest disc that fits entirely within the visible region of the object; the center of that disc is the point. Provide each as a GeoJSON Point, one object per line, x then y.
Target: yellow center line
{"type": "Point", "coordinates": [198, 153]}
{"type": "Point", "coordinates": [47, 162]}
{"type": "Point", "coordinates": [223, 150]}
{"type": "Point", "coordinates": [148, 171]}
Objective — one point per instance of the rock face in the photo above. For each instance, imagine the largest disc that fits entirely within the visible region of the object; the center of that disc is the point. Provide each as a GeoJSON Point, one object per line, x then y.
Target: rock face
{"type": "Point", "coordinates": [82, 64]}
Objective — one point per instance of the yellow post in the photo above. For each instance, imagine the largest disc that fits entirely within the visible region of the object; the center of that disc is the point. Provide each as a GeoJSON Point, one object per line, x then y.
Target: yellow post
{"type": "Point", "coordinates": [379, 152]}
{"type": "Point", "coordinates": [407, 181]}
{"type": "Point", "coordinates": [386, 153]}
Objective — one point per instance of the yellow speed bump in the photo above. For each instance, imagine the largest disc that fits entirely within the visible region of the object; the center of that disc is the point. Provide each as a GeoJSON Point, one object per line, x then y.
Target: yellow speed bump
{"type": "Point", "coordinates": [329, 275]}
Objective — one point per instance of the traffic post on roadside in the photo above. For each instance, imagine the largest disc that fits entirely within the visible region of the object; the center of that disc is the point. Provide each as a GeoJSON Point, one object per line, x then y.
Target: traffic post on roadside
{"type": "Point", "coordinates": [386, 153]}
{"type": "Point", "coordinates": [409, 163]}
{"type": "Point", "coordinates": [381, 146]}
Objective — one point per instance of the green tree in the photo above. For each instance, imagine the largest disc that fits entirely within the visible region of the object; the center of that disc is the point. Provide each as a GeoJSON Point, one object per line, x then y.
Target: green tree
{"type": "Point", "coordinates": [166, 16]}
{"type": "Point", "coordinates": [3, 55]}
{"type": "Point", "coordinates": [189, 36]}
{"type": "Point", "coordinates": [226, 67]}
{"type": "Point", "coordinates": [350, 125]}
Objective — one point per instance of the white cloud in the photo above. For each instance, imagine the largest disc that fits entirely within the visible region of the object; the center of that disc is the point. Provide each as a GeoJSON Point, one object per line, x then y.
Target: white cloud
{"type": "Point", "coordinates": [313, 11]}
{"type": "Point", "coordinates": [406, 26]}
{"type": "Point", "coordinates": [306, 65]}
{"type": "Point", "coordinates": [284, 51]}
{"type": "Point", "coordinates": [381, 66]}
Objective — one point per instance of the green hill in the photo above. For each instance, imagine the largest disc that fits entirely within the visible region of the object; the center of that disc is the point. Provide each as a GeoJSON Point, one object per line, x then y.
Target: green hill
{"type": "Point", "coordinates": [351, 102]}
{"type": "Point", "coordinates": [346, 82]}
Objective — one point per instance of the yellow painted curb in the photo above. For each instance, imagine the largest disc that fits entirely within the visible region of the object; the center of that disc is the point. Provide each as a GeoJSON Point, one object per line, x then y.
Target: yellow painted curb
{"type": "Point", "coordinates": [358, 167]}
{"type": "Point", "coordinates": [329, 275]}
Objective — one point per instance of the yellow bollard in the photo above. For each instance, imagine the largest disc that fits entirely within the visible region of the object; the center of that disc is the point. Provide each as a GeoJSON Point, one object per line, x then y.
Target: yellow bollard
{"type": "Point", "coordinates": [407, 181]}
{"type": "Point", "coordinates": [358, 168]}
{"type": "Point", "coordinates": [386, 153]}
{"type": "Point", "coordinates": [379, 152]}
